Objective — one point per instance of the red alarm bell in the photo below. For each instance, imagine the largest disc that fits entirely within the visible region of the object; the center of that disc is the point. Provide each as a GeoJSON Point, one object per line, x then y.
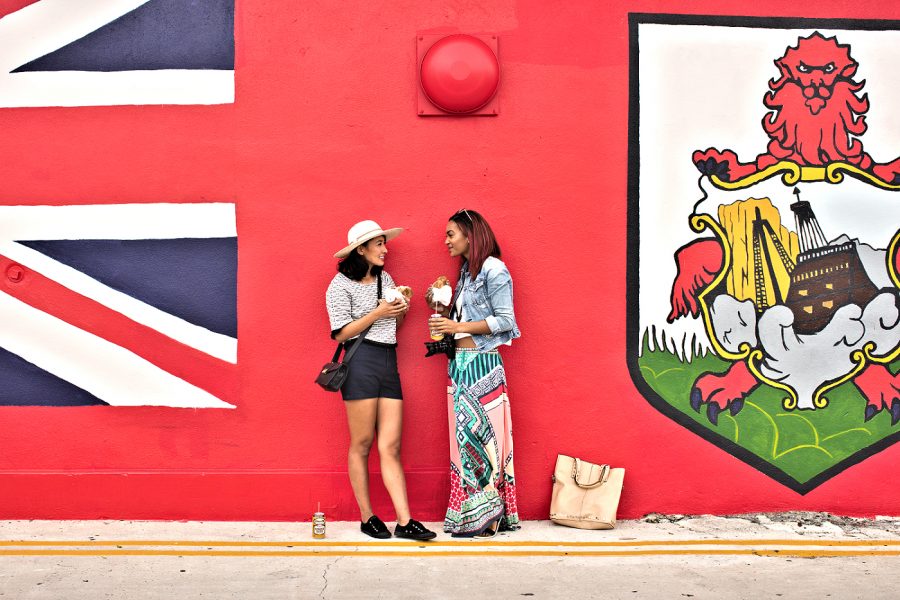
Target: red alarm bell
{"type": "Point", "coordinates": [458, 75]}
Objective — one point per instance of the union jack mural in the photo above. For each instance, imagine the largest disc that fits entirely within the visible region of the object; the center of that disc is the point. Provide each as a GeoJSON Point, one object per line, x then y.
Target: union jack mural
{"type": "Point", "coordinates": [117, 304]}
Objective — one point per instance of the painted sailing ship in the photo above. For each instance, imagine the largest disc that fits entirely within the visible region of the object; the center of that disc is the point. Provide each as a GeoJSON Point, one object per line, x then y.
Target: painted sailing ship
{"type": "Point", "coordinates": [826, 276]}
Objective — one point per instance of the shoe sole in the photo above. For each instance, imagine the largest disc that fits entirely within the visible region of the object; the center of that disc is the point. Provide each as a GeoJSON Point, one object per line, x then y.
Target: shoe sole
{"type": "Point", "coordinates": [378, 536]}
{"type": "Point", "coordinates": [416, 537]}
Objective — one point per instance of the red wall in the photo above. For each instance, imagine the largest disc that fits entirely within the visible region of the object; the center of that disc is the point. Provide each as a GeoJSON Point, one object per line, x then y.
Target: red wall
{"type": "Point", "coordinates": [324, 133]}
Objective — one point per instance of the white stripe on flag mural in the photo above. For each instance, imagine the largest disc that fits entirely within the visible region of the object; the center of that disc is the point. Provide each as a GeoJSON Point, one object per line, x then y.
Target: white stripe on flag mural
{"type": "Point", "coordinates": [117, 221]}
{"type": "Point", "coordinates": [48, 25]}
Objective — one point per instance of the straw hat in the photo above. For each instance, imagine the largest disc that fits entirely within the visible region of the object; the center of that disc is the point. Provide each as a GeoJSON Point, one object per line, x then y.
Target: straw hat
{"type": "Point", "coordinates": [364, 231]}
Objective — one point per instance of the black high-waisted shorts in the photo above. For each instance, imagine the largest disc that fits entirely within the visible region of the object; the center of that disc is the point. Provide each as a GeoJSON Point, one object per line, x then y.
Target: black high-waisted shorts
{"type": "Point", "coordinates": [373, 373]}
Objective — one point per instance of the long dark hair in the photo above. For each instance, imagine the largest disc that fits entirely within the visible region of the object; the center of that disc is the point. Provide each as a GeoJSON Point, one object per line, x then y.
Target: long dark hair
{"type": "Point", "coordinates": [355, 266]}
{"type": "Point", "coordinates": [482, 242]}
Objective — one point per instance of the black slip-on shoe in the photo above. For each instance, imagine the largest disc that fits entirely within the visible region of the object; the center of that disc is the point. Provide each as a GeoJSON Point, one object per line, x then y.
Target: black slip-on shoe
{"type": "Point", "coordinates": [375, 528]}
{"type": "Point", "coordinates": [414, 531]}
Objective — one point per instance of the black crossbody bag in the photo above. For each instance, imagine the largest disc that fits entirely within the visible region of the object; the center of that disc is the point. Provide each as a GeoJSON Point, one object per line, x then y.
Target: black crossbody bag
{"type": "Point", "coordinates": [333, 375]}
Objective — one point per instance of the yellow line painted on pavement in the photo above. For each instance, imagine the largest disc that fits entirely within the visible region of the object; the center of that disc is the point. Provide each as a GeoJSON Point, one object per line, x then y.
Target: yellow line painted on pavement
{"type": "Point", "coordinates": [452, 543]}
{"type": "Point", "coordinates": [787, 553]}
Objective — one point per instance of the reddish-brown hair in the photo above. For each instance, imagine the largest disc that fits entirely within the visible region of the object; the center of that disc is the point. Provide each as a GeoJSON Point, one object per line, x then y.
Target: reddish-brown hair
{"type": "Point", "coordinates": [482, 242]}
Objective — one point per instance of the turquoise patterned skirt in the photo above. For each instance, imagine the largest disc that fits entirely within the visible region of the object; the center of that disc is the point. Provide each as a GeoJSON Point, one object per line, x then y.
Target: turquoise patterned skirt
{"type": "Point", "coordinates": [482, 478]}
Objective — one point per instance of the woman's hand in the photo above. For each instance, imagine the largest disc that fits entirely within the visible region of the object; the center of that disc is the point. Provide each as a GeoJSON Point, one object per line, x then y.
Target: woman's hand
{"type": "Point", "coordinates": [391, 310]}
{"type": "Point", "coordinates": [436, 307]}
{"type": "Point", "coordinates": [443, 325]}
{"type": "Point", "coordinates": [403, 310]}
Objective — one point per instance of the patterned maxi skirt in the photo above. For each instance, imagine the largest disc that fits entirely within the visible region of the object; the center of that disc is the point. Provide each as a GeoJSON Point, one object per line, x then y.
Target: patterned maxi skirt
{"type": "Point", "coordinates": [482, 479]}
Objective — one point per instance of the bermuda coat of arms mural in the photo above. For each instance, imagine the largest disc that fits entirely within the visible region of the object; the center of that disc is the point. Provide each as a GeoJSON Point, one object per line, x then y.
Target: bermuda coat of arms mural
{"type": "Point", "coordinates": [764, 222]}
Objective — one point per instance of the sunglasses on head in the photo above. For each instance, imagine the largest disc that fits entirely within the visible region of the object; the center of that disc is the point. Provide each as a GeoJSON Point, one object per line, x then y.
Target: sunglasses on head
{"type": "Point", "coordinates": [463, 211]}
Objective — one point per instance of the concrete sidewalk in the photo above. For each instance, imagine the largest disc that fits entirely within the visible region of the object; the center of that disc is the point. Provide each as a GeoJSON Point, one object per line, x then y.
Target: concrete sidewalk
{"type": "Point", "coordinates": [784, 555]}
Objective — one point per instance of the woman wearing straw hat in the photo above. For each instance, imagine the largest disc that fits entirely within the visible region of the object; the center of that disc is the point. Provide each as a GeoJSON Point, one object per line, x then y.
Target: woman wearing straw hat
{"type": "Point", "coordinates": [372, 393]}
{"type": "Point", "coordinates": [482, 478]}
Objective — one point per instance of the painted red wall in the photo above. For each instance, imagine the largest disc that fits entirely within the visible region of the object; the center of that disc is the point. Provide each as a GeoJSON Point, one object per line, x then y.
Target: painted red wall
{"type": "Point", "coordinates": [324, 133]}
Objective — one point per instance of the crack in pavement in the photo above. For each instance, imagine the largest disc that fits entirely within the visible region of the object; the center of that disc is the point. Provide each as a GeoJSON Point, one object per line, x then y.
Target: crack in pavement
{"type": "Point", "coordinates": [325, 575]}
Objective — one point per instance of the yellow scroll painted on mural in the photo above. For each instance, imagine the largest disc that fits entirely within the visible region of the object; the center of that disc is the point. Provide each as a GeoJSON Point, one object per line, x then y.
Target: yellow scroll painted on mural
{"type": "Point", "coordinates": [737, 221]}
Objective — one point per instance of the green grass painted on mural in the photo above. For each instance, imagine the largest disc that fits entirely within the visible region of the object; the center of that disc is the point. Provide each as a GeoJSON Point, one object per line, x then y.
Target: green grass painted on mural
{"type": "Point", "coordinates": [802, 443]}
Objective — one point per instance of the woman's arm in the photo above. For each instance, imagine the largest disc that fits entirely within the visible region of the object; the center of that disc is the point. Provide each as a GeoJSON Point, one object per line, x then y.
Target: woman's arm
{"type": "Point", "coordinates": [384, 310]}
{"type": "Point", "coordinates": [498, 284]}
{"type": "Point", "coordinates": [500, 297]}
{"type": "Point", "coordinates": [450, 327]}
{"type": "Point", "coordinates": [498, 287]}
{"type": "Point", "coordinates": [471, 327]}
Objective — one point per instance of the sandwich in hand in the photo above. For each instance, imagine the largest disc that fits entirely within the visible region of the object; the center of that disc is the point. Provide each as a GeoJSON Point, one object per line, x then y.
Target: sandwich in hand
{"type": "Point", "coordinates": [401, 292]}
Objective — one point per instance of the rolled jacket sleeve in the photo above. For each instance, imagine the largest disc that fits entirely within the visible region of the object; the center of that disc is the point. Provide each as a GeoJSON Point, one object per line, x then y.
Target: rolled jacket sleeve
{"type": "Point", "coordinates": [500, 296]}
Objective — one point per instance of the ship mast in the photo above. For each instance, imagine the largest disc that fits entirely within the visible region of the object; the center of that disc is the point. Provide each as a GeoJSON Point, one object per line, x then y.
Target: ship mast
{"type": "Point", "coordinates": [763, 264]}
{"type": "Point", "coordinates": [808, 230]}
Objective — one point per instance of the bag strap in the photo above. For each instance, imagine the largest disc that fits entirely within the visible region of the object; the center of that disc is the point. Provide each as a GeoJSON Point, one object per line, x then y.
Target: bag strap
{"type": "Point", "coordinates": [604, 475]}
{"type": "Point", "coordinates": [358, 341]}
{"type": "Point", "coordinates": [353, 348]}
{"type": "Point", "coordinates": [460, 285]}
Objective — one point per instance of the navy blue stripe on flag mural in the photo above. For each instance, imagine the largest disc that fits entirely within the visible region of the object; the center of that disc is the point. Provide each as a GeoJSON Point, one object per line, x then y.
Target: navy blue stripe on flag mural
{"type": "Point", "coordinates": [191, 278]}
{"type": "Point", "coordinates": [25, 384]}
{"type": "Point", "coordinates": [161, 34]}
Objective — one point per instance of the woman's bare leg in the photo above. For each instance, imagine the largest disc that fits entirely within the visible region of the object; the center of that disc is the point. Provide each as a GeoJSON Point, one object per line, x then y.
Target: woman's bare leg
{"type": "Point", "coordinates": [361, 418]}
{"type": "Point", "coordinates": [390, 426]}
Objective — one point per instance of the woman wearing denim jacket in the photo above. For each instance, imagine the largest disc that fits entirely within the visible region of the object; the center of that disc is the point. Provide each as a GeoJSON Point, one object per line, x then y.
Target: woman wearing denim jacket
{"type": "Point", "coordinates": [482, 478]}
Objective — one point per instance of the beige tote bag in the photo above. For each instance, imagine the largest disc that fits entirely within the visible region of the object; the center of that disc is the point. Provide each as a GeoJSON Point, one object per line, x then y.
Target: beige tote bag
{"type": "Point", "coordinates": [585, 495]}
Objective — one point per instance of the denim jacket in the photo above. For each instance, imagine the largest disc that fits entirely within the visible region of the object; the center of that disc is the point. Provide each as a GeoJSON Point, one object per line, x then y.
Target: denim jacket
{"type": "Point", "coordinates": [490, 298]}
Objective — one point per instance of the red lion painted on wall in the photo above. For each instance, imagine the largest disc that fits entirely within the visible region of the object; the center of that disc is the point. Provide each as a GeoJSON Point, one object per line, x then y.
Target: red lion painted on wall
{"type": "Point", "coordinates": [816, 116]}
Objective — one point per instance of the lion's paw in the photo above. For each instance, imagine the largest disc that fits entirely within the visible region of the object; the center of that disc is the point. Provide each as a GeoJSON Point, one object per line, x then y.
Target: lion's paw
{"type": "Point", "coordinates": [723, 392]}
{"type": "Point", "coordinates": [723, 165]}
{"type": "Point", "coordinates": [881, 391]}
